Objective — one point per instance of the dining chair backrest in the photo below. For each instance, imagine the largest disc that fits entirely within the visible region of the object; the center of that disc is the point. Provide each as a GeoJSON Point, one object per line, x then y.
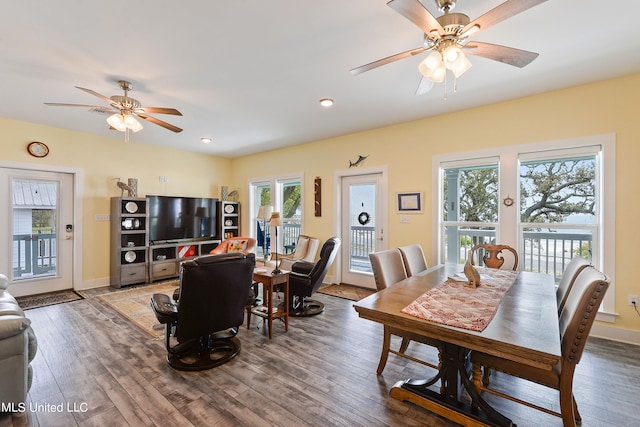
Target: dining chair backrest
{"type": "Point", "coordinates": [413, 258]}
{"type": "Point", "coordinates": [579, 312]}
{"type": "Point", "coordinates": [493, 255]}
{"type": "Point", "coordinates": [388, 268]}
{"type": "Point", "coordinates": [575, 266]}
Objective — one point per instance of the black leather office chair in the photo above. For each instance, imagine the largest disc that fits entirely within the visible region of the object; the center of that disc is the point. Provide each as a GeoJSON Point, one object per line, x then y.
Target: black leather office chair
{"type": "Point", "coordinates": [306, 278]}
{"type": "Point", "coordinates": [214, 291]}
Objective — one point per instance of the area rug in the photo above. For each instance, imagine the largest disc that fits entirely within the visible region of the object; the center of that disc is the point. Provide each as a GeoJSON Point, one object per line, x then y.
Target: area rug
{"type": "Point", "coordinates": [134, 305]}
{"type": "Point", "coordinates": [350, 292]}
{"type": "Point", "coordinates": [49, 298]}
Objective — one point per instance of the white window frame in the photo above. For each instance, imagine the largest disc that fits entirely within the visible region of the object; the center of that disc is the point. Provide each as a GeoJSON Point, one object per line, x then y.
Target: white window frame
{"type": "Point", "coordinates": [275, 183]}
{"type": "Point", "coordinates": [510, 157]}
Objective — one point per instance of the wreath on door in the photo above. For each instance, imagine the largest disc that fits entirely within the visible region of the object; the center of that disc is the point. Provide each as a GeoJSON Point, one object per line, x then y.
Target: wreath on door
{"type": "Point", "coordinates": [364, 218]}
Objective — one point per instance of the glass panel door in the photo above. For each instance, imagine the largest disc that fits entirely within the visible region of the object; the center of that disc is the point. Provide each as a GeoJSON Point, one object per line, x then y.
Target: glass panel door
{"type": "Point", "coordinates": [361, 228]}
{"type": "Point", "coordinates": [38, 253]}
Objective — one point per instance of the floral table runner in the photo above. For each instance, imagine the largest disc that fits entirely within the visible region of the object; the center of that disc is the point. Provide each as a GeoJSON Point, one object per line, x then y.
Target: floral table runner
{"type": "Point", "coordinates": [454, 304]}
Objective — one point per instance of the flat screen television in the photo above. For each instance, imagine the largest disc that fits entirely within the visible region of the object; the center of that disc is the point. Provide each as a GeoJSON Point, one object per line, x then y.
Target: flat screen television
{"type": "Point", "coordinates": [175, 219]}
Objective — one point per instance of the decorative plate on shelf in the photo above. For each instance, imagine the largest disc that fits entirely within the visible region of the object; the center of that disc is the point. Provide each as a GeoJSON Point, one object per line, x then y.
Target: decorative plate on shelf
{"type": "Point", "coordinates": [229, 209]}
{"type": "Point", "coordinates": [130, 256]}
{"type": "Point", "coordinates": [228, 223]}
{"type": "Point", "coordinates": [131, 207]}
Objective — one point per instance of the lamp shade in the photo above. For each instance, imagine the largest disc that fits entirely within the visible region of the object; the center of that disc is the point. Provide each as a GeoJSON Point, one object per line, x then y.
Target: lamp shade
{"type": "Point", "coordinates": [276, 220]}
{"type": "Point", "coordinates": [264, 212]}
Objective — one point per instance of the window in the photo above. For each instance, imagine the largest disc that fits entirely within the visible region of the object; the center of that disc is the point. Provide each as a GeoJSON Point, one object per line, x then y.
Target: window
{"type": "Point", "coordinates": [551, 201]}
{"type": "Point", "coordinates": [285, 194]}
{"type": "Point", "coordinates": [558, 206]}
{"type": "Point", "coordinates": [469, 206]}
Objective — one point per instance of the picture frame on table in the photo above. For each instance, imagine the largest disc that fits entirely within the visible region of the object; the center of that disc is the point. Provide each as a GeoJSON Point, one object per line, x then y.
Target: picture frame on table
{"type": "Point", "coordinates": [409, 202]}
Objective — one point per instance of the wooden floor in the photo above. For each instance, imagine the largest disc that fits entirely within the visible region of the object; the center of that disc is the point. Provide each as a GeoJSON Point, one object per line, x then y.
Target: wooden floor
{"type": "Point", "coordinates": [103, 371]}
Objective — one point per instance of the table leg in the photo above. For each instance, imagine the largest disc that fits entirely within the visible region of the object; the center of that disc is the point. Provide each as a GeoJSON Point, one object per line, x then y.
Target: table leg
{"type": "Point", "coordinates": [453, 371]}
{"type": "Point", "coordinates": [286, 306]}
{"type": "Point", "coordinates": [269, 308]}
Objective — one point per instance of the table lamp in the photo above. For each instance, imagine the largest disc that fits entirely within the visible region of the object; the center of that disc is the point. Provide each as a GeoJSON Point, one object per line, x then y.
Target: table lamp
{"type": "Point", "coordinates": [276, 221]}
{"type": "Point", "coordinates": [264, 213]}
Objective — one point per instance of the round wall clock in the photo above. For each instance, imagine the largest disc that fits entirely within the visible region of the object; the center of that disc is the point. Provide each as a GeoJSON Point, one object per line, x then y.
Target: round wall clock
{"type": "Point", "coordinates": [38, 149]}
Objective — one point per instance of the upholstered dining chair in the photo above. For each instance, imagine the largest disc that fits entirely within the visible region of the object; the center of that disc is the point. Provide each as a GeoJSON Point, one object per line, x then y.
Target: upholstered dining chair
{"type": "Point", "coordinates": [575, 322]}
{"type": "Point", "coordinates": [413, 259]}
{"type": "Point", "coordinates": [575, 266]}
{"type": "Point", "coordinates": [214, 291]}
{"type": "Point", "coordinates": [492, 256]}
{"type": "Point", "coordinates": [388, 269]}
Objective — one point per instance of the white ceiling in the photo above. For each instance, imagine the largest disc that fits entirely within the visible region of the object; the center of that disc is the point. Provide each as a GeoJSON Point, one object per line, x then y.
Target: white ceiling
{"type": "Point", "coordinates": [249, 73]}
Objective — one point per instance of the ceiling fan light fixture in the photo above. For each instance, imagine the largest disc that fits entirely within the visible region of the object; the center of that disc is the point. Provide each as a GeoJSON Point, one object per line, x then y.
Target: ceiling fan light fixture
{"type": "Point", "coordinates": [132, 123]}
{"type": "Point", "coordinates": [116, 121]}
{"type": "Point", "coordinates": [433, 68]}
{"type": "Point", "coordinates": [461, 67]}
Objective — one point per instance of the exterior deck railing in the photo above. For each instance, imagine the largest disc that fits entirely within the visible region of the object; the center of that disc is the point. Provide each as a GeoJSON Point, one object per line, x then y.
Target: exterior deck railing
{"type": "Point", "coordinates": [34, 255]}
{"type": "Point", "coordinates": [542, 251]}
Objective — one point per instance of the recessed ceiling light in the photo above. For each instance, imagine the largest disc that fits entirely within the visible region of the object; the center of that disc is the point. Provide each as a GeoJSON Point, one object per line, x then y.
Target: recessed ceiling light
{"type": "Point", "coordinates": [326, 102]}
{"type": "Point", "coordinates": [206, 140]}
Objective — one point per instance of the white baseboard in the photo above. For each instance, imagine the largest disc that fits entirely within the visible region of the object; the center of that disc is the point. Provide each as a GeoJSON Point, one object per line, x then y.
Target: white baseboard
{"type": "Point", "coordinates": [96, 283]}
{"type": "Point", "coordinates": [628, 336]}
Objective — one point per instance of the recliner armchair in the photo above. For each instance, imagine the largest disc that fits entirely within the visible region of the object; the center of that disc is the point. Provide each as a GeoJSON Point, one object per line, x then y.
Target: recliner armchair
{"type": "Point", "coordinates": [305, 250]}
{"type": "Point", "coordinates": [306, 278]}
{"type": "Point", "coordinates": [214, 291]}
{"type": "Point", "coordinates": [18, 347]}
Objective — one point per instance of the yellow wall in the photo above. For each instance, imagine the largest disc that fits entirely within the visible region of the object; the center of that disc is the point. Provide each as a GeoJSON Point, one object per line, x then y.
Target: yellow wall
{"type": "Point", "coordinates": [406, 149]}
{"type": "Point", "coordinates": [104, 159]}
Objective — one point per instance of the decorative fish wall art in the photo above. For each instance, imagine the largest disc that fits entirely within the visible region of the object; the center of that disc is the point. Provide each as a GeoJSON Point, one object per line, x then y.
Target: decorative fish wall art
{"type": "Point", "coordinates": [357, 162]}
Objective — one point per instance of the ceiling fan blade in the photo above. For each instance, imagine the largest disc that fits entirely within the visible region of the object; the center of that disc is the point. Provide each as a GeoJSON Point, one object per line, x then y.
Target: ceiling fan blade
{"type": "Point", "coordinates": [415, 12]}
{"type": "Point", "coordinates": [160, 110]}
{"type": "Point", "coordinates": [424, 86]}
{"type": "Point", "coordinates": [387, 60]}
{"type": "Point", "coordinates": [498, 14]}
{"type": "Point", "coordinates": [508, 55]}
{"type": "Point", "coordinates": [159, 122]}
{"type": "Point", "coordinates": [60, 104]}
{"type": "Point", "coordinates": [94, 93]}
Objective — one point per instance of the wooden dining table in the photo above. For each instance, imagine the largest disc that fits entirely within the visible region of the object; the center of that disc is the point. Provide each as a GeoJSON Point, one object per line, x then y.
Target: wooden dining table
{"type": "Point", "coordinates": [523, 329]}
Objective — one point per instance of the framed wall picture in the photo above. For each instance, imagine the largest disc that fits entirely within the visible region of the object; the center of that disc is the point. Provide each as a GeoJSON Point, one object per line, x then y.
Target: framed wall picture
{"type": "Point", "coordinates": [410, 202]}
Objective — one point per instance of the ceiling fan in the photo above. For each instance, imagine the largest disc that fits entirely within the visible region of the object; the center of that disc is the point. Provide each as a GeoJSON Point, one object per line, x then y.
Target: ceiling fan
{"type": "Point", "coordinates": [124, 110]}
{"type": "Point", "coordinates": [448, 37]}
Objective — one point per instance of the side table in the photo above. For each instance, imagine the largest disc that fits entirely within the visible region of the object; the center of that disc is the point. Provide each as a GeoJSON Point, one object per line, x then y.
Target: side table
{"type": "Point", "coordinates": [269, 312]}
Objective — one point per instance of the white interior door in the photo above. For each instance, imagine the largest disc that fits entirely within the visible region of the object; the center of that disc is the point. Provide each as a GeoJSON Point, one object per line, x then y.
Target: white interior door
{"type": "Point", "coordinates": [36, 247]}
{"type": "Point", "coordinates": [363, 218]}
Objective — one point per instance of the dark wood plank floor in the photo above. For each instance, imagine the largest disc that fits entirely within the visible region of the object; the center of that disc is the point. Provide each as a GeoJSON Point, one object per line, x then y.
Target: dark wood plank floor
{"type": "Point", "coordinates": [321, 373]}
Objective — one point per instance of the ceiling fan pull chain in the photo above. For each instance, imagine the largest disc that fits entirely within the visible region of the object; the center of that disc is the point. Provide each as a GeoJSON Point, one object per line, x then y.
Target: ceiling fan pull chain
{"type": "Point", "coordinates": [445, 87]}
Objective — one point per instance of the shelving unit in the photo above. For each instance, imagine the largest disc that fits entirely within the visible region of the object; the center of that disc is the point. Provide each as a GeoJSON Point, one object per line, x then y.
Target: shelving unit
{"type": "Point", "coordinates": [229, 219]}
{"type": "Point", "coordinates": [134, 260]}
{"type": "Point", "coordinates": [165, 258]}
{"type": "Point", "coordinates": [129, 241]}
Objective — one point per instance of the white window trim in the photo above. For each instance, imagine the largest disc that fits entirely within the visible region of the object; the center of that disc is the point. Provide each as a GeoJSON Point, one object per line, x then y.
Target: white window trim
{"type": "Point", "coordinates": [509, 224]}
{"type": "Point", "coordinates": [276, 196]}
